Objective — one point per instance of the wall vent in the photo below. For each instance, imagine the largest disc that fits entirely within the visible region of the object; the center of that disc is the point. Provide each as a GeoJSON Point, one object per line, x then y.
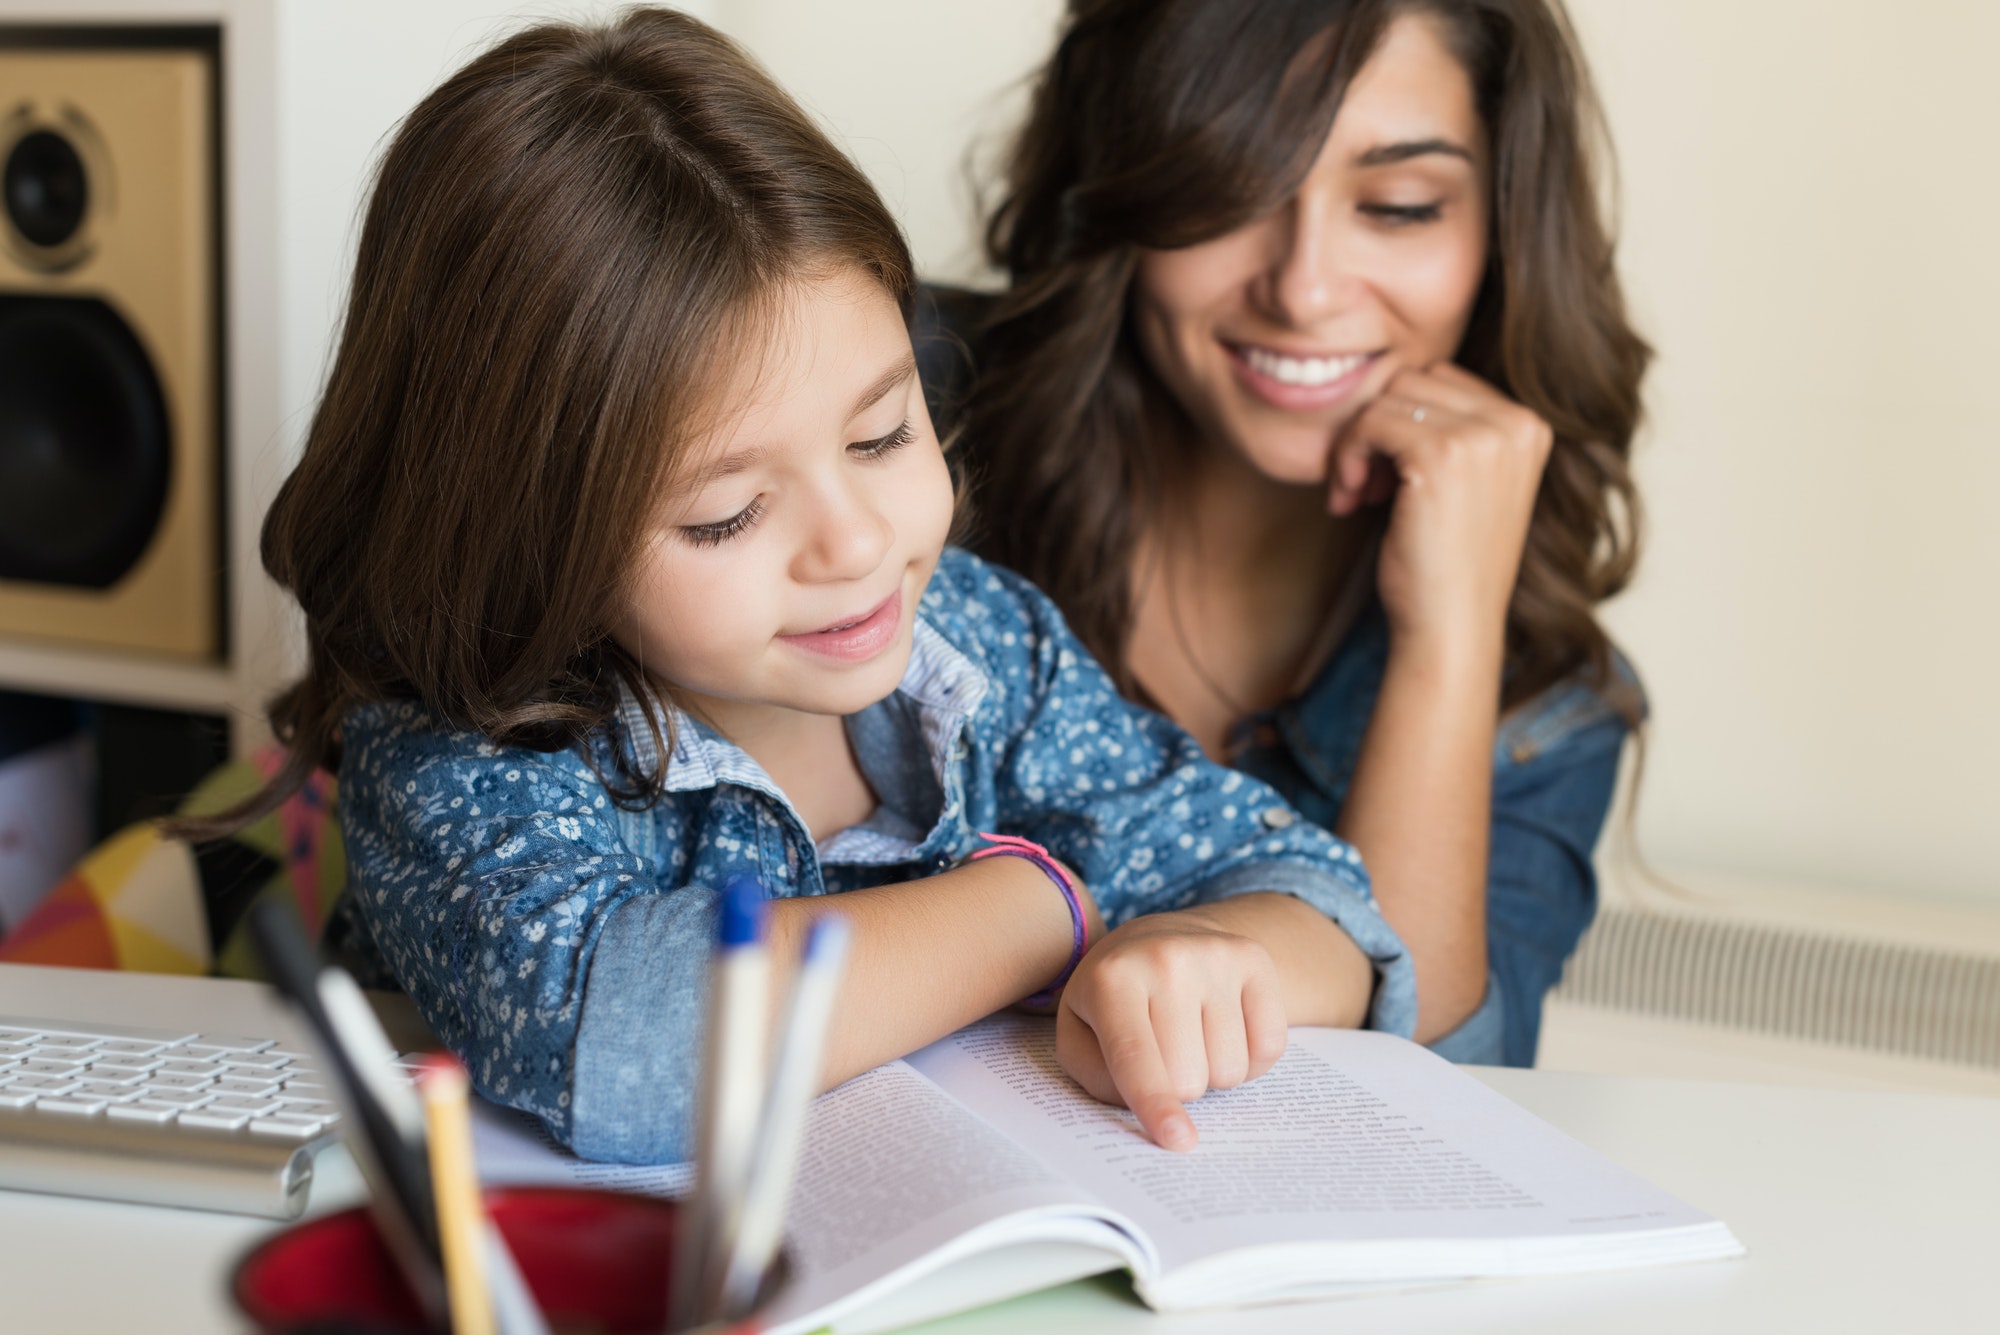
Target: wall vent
{"type": "Point", "coordinates": [1829, 989]}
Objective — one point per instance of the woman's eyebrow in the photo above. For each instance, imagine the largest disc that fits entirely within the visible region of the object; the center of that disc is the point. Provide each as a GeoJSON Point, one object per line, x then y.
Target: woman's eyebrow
{"type": "Point", "coordinates": [1383, 155]}
{"type": "Point", "coordinates": [894, 376]}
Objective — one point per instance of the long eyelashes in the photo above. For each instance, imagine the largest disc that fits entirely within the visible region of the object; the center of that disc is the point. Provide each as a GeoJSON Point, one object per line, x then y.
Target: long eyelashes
{"type": "Point", "coordinates": [711, 535]}
{"type": "Point", "coordinates": [881, 445]}
{"type": "Point", "coordinates": [714, 535]}
{"type": "Point", "coordinates": [1397, 215]}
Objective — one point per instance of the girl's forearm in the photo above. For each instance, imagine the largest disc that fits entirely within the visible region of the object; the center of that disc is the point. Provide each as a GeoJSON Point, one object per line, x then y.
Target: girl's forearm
{"type": "Point", "coordinates": [1419, 811]}
{"type": "Point", "coordinates": [931, 956]}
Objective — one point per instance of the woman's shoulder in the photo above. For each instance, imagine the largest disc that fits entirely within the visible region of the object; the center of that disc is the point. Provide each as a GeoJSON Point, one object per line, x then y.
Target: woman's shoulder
{"type": "Point", "coordinates": [1578, 717]}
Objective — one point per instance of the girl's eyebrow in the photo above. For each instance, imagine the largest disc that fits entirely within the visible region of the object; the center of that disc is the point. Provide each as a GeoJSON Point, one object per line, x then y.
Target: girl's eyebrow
{"type": "Point", "coordinates": [1383, 155]}
{"type": "Point", "coordinates": [894, 376]}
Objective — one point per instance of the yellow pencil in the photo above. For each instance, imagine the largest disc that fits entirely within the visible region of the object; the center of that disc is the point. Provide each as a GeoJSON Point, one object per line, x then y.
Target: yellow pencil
{"type": "Point", "coordinates": [455, 1183]}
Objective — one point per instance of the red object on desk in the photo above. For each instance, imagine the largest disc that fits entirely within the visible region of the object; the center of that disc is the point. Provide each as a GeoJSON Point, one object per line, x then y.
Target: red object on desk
{"type": "Point", "coordinates": [595, 1260]}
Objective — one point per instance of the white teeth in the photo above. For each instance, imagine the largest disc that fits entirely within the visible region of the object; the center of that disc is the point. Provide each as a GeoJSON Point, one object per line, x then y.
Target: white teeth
{"type": "Point", "coordinates": [1308, 371]}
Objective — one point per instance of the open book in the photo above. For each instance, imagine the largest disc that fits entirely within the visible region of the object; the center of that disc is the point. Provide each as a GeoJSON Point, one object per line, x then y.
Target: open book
{"type": "Point", "coordinates": [976, 1170]}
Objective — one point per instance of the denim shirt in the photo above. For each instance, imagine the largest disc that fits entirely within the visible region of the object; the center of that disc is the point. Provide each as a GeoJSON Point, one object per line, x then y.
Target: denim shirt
{"type": "Point", "coordinates": [1555, 763]}
{"type": "Point", "coordinates": [559, 942]}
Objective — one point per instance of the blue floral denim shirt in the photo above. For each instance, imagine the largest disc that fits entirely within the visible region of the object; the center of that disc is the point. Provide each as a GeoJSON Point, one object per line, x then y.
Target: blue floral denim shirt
{"type": "Point", "coordinates": [559, 943]}
{"type": "Point", "coordinates": [1555, 763]}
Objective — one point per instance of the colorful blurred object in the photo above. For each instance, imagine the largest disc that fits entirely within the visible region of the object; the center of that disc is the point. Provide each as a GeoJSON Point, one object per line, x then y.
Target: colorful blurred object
{"type": "Point", "coordinates": [141, 901]}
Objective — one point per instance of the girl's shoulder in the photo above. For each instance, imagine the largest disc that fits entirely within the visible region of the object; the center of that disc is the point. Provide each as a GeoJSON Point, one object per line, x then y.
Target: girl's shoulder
{"type": "Point", "coordinates": [389, 747]}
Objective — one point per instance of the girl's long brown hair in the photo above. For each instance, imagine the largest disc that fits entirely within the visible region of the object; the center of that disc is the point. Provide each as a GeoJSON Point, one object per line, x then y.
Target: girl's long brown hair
{"type": "Point", "coordinates": [1162, 123]}
{"type": "Point", "coordinates": [569, 243]}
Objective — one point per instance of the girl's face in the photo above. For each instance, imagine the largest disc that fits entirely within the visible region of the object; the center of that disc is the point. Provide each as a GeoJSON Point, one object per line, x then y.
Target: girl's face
{"type": "Point", "coordinates": [784, 570]}
{"type": "Point", "coordinates": [1275, 335]}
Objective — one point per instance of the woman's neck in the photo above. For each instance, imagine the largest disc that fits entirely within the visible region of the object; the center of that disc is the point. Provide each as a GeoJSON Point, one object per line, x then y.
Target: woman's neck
{"type": "Point", "coordinates": [1231, 587]}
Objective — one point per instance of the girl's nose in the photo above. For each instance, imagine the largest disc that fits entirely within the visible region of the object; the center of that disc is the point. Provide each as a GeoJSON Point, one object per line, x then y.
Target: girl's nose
{"type": "Point", "coordinates": [849, 537]}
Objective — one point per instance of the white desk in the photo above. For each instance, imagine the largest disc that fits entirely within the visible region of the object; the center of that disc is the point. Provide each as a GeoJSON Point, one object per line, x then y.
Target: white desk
{"type": "Point", "coordinates": [1862, 1211]}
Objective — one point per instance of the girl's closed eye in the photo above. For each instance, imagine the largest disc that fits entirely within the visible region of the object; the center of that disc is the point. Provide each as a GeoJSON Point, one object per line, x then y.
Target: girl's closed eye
{"type": "Point", "coordinates": [712, 535]}
{"type": "Point", "coordinates": [881, 445]}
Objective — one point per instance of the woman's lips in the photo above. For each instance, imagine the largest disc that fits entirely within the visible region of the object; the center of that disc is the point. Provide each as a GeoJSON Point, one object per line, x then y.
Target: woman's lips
{"type": "Point", "coordinates": [1298, 383]}
{"type": "Point", "coordinates": [855, 641]}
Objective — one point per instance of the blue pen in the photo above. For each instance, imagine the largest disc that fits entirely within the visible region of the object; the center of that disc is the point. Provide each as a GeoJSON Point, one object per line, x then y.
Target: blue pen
{"type": "Point", "coordinates": [734, 1071]}
{"type": "Point", "coordinates": [794, 1081]}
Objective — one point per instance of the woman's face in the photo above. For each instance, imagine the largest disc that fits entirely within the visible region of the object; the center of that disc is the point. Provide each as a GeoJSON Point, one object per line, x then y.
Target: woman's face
{"type": "Point", "coordinates": [1275, 335]}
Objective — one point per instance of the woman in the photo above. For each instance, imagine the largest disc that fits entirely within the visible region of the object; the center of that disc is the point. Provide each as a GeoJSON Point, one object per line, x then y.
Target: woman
{"type": "Point", "coordinates": [1311, 403]}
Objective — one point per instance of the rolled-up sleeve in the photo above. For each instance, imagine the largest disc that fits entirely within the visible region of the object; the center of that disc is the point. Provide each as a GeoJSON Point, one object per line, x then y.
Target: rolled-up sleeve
{"type": "Point", "coordinates": [1149, 822]}
{"type": "Point", "coordinates": [535, 943]}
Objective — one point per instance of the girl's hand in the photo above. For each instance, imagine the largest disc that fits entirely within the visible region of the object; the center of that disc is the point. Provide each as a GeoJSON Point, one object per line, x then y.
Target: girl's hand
{"type": "Point", "coordinates": [1462, 463]}
{"type": "Point", "coordinates": [1165, 1008]}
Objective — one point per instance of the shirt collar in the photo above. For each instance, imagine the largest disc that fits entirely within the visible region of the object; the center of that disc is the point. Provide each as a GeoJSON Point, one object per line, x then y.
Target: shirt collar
{"type": "Point", "coordinates": [942, 682]}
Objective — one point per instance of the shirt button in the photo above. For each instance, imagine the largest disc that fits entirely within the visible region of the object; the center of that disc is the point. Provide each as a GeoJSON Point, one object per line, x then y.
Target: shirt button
{"type": "Point", "coordinates": [1276, 818]}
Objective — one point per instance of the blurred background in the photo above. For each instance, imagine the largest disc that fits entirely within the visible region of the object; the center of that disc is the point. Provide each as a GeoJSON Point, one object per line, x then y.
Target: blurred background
{"type": "Point", "coordinates": [1806, 193]}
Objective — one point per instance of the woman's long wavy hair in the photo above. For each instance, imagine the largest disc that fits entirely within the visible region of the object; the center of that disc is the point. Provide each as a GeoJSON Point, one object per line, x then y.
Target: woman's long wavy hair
{"type": "Point", "coordinates": [1163, 123]}
{"type": "Point", "coordinates": [569, 243]}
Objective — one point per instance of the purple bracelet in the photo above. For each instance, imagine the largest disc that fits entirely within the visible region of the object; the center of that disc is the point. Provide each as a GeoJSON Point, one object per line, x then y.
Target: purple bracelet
{"type": "Point", "coordinates": [1007, 845]}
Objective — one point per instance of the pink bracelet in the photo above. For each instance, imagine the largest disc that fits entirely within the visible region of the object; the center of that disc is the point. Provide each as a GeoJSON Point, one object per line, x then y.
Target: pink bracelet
{"type": "Point", "coordinates": [1007, 845]}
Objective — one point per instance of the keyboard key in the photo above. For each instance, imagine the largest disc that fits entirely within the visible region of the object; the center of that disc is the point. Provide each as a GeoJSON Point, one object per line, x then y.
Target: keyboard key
{"type": "Point", "coordinates": [310, 1107]}
{"type": "Point", "coordinates": [40, 1066]}
{"type": "Point", "coordinates": [18, 1098]}
{"type": "Point", "coordinates": [179, 1098]}
{"type": "Point", "coordinates": [16, 1049]}
{"type": "Point", "coordinates": [248, 1107]}
{"type": "Point", "coordinates": [10, 1034]}
{"type": "Point", "coordinates": [256, 1061]}
{"type": "Point", "coordinates": [184, 1066]}
{"type": "Point", "coordinates": [70, 1106]}
{"type": "Point", "coordinates": [130, 1047]}
{"type": "Point", "coordinates": [288, 1128]}
{"type": "Point", "coordinates": [215, 1121]}
{"type": "Point", "coordinates": [75, 1042]}
{"type": "Point", "coordinates": [101, 1089]}
{"type": "Point", "coordinates": [306, 1089]}
{"type": "Point", "coordinates": [115, 1075]}
{"type": "Point", "coordinates": [144, 1111]}
{"type": "Point", "coordinates": [237, 1085]}
{"type": "Point", "coordinates": [166, 1080]}
{"type": "Point", "coordinates": [231, 1043]}
{"type": "Point", "coordinates": [44, 1084]}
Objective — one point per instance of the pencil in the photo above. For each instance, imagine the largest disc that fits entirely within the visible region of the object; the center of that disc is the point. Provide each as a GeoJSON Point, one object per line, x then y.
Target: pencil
{"type": "Point", "coordinates": [462, 1226]}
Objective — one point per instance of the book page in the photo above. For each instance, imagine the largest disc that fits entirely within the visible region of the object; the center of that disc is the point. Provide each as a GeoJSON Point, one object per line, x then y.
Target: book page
{"type": "Point", "coordinates": [1353, 1137]}
{"type": "Point", "coordinates": [896, 1180]}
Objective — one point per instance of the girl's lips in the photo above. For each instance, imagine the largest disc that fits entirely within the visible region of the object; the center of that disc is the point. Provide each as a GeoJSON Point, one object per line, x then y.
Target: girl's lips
{"type": "Point", "coordinates": [1291, 396]}
{"type": "Point", "coordinates": [857, 641]}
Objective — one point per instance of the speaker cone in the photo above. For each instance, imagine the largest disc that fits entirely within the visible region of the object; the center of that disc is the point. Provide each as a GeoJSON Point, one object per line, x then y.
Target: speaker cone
{"type": "Point", "coordinates": [85, 452]}
{"type": "Point", "coordinates": [46, 187]}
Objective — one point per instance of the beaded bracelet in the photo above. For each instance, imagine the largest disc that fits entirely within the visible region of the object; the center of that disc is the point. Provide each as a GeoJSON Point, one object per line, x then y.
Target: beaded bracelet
{"type": "Point", "coordinates": [1007, 845]}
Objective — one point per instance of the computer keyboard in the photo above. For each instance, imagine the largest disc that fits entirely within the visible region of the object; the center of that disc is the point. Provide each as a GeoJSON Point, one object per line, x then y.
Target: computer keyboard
{"type": "Point", "coordinates": [159, 1116]}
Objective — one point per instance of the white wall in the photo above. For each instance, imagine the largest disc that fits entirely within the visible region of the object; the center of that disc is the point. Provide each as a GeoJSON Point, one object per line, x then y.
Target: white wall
{"type": "Point", "coordinates": [1810, 197]}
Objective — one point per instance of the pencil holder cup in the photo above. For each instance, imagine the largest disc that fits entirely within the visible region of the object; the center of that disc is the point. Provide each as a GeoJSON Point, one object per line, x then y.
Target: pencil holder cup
{"type": "Point", "coordinates": [596, 1261]}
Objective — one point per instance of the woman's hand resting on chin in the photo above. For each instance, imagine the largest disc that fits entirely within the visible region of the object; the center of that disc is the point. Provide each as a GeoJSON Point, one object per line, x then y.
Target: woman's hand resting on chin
{"type": "Point", "coordinates": [1460, 463]}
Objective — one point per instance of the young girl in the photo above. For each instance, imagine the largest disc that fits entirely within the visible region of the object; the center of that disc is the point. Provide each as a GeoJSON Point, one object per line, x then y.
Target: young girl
{"type": "Point", "coordinates": [620, 534]}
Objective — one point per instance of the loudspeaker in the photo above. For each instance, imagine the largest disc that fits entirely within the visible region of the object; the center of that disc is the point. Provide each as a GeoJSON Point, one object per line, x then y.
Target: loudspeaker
{"type": "Point", "coordinates": [110, 341]}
